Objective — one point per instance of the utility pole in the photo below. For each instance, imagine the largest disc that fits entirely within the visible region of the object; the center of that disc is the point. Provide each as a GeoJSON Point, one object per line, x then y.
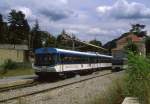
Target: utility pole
{"type": "Point", "coordinates": [29, 41]}
{"type": "Point", "coordinates": [73, 42]}
{"type": "Point", "coordinates": [55, 42]}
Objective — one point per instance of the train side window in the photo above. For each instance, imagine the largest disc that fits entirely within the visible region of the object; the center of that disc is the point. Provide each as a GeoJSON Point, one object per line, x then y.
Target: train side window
{"type": "Point", "coordinates": [62, 58]}
{"type": "Point", "coordinates": [103, 59]}
{"type": "Point", "coordinates": [58, 59]}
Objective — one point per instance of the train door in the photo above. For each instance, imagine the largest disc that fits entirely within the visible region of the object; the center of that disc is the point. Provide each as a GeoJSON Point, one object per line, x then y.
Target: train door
{"type": "Point", "coordinates": [92, 62]}
{"type": "Point", "coordinates": [97, 66]}
{"type": "Point", "coordinates": [89, 61]}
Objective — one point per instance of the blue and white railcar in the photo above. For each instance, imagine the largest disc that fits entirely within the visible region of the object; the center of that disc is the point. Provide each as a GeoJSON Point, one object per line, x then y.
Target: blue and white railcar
{"type": "Point", "coordinates": [60, 61]}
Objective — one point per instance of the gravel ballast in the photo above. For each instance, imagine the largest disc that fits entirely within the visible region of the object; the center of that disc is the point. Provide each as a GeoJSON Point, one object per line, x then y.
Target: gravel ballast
{"type": "Point", "coordinates": [79, 93]}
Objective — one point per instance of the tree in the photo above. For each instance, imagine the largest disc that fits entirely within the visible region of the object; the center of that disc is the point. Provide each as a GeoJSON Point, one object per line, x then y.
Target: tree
{"type": "Point", "coordinates": [3, 30]}
{"type": "Point", "coordinates": [38, 37]}
{"type": "Point", "coordinates": [36, 40]}
{"type": "Point", "coordinates": [51, 41]}
{"type": "Point", "coordinates": [131, 47]}
{"type": "Point", "coordinates": [64, 40]}
{"type": "Point", "coordinates": [63, 36]}
{"type": "Point", "coordinates": [147, 44]}
{"type": "Point", "coordinates": [18, 28]}
{"type": "Point", "coordinates": [95, 42]}
{"type": "Point", "coordinates": [138, 29]}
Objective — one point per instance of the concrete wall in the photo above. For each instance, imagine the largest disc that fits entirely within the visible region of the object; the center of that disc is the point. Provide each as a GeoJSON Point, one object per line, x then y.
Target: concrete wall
{"type": "Point", "coordinates": [11, 46]}
{"type": "Point", "coordinates": [15, 55]}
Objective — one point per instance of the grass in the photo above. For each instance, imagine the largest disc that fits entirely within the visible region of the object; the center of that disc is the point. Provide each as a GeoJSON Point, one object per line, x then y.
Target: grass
{"type": "Point", "coordinates": [11, 68]}
{"type": "Point", "coordinates": [17, 72]}
{"type": "Point", "coordinates": [113, 95]}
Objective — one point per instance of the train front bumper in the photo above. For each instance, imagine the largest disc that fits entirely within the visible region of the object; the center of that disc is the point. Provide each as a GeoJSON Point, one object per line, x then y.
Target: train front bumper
{"type": "Point", "coordinates": [44, 69]}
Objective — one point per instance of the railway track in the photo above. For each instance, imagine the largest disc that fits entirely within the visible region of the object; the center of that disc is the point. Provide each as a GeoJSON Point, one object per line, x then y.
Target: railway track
{"type": "Point", "coordinates": [13, 83]}
{"type": "Point", "coordinates": [52, 86]}
{"type": "Point", "coordinates": [3, 89]}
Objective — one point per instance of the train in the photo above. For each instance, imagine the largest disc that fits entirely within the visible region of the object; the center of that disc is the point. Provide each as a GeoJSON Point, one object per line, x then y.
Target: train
{"type": "Point", "coordinates": [60, 62]}
{"type": "Point", "coordinates": [119, 64]}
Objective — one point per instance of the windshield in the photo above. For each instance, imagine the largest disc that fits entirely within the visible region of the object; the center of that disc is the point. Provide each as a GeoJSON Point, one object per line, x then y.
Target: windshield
{"type": "Point", "coordinates": [44, 59]}
{"type": "Point", "coordinates": [119, 61]}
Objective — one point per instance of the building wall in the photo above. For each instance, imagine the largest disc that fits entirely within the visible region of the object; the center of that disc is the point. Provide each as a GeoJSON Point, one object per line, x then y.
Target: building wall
{"type": "Point", "coordinates": [120, 44]}
{"type": "Point", "coordinates": [15, 55]}
{"type": "Point", "coordinates": [141, 47]}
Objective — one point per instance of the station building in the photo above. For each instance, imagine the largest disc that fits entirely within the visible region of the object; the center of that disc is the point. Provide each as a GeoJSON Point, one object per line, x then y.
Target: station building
{"type": "Point", "coordinates": [119, 51]}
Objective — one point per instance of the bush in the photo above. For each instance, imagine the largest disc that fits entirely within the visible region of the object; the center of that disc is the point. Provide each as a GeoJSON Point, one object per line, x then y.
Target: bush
{"type": "Point", "coordinates": [9, 64]}
{"type": "Point", "coordinates": [138, 78]}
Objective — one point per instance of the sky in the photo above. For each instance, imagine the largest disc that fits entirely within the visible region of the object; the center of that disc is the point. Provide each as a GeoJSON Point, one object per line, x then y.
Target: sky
{"type": "Point", "coordinates": [103, 20]}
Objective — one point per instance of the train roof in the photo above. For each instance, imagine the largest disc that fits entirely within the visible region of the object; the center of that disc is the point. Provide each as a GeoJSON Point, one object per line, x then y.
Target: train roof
{"type": "Point", "coordinates": [63, 51]}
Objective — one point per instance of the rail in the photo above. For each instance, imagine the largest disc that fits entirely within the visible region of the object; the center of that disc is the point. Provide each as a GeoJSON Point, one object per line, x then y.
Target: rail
{"type": "Point", "coordinates": [52, 87]}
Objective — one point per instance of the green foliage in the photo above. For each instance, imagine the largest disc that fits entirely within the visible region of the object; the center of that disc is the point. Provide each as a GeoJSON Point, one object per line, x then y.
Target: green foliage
{"type": "Point", "coordinates": [131, 47]}
{"type": "Point", "coordinates": [138, 78]}
{"type": "Point", "coordinates": [36, 36]}
{"type": "Point", "coordinates": [9, 64]}
{"type": "Point", "coordinates": [96, 42]}
{"type": "Point", "coordinates": [137, 29]}
{"type": "Point", "coordinates": [3, 30]}
{"type": "Point", "coordinates": [18, 28]}
{"type": "Point", "coordinates": [64, 40]}
{"type": "Point", "coordinates": [147, 44]}
{"type": "Point", "coordinates": [50, 41]}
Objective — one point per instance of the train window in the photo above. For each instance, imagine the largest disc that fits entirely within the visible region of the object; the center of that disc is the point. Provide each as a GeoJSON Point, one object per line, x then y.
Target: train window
{"type": "Point", "coordinates": [74, 59]}
{"type": "Point", "coordinates": [44, 59]}
{"type": "Point", "coordinates": [105, 59]}
{"type": "Point", "coordinates": [99, 59]}
{"type": "Point", "coordinates": [93, 59]}
{"type": "Point", "coordinates": [66, 59]}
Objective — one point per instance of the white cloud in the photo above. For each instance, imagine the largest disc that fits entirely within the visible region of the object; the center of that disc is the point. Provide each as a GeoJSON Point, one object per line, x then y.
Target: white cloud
{"type": "Point", "coordinates": [96, 31]}
{"type": "Point", "coordinates": [55, 10]}
{"type": "Point", "coordinates": [72, 31]}
{"type": "Point", "coordinates": [64, 1]}
{"type": "Point", "coordinates": [25, 10]}
{"type": "Point", "coordinates": [125, 10]}
{"type": "Point", "coordinates": [103, 9]}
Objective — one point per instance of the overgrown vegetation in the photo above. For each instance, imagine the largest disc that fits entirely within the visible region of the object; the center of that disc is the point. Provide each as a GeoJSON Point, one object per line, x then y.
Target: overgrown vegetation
{"type": "Point", "coordinates": [137, 82]}
{"type": "Point", "coordinates": [8, 65]}
{"type": "Point", "coordinates": [114, 94]}
{"type": "Point", "coordinates": [11, 68]}
{"type": "Point", "coordinates": [131, 47]}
